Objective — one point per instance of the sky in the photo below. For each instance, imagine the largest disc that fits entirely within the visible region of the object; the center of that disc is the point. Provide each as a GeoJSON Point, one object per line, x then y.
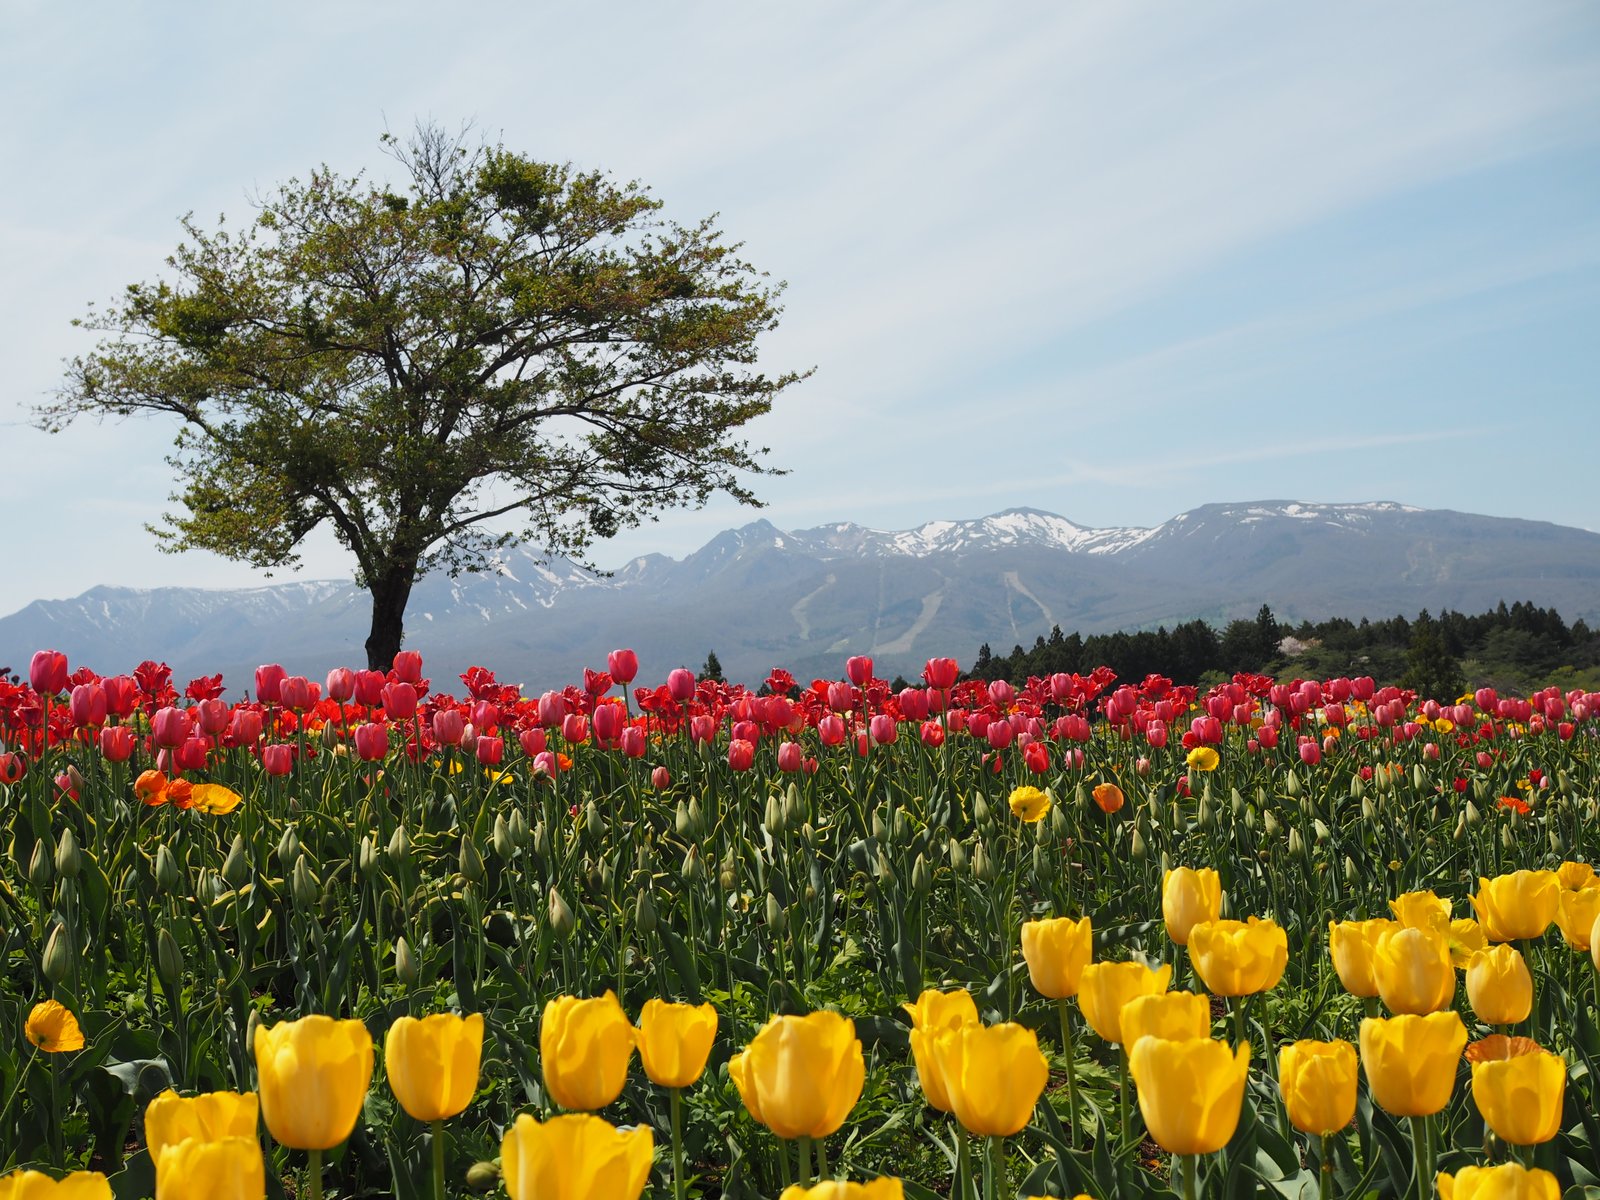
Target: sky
{"type": "Point", "coordinates": [1110, 261]}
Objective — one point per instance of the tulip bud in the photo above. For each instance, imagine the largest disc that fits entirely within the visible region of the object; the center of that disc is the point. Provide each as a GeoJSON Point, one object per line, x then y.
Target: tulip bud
{"type": "Point", "coordinates": [791, 805]}
{"type": "Point", "coordinates": [776, 917]}
{"type": "Point", "coordinates": [1419, 781]}
{"type": "Point", "coordinates": [304, 885]}
{"type": "Point", "coordinates": [405, 963]}
{"type": "Point", "coordinates": [728, 873]}
{"type": "Point", "coordinates": [1236, 801]}
{"type": "Point", "coordinates": [644, 912]}
{"type": "Point", "coordinates": [504, 847]}
{"type": "Point", "coordinates": [1136, 846]}
{"type": "Point", "coordinates": [885, 868]}
{"type": "Point", "coordinates": [41, 871]}
{"type": "Point", "coordinates": [980, 811]}
{"type": "Point", "coordinates": [693, 869]}
{"type": "Point", "coordinates": [562, 921]}
{"type": "Point", "coordinates": [483, 1176]}
{"type": "Point", "coordinates": [921, 877]}
{"type": "Point", "coordinates": [518, 828]}
{"type": "Point", "coordinates": [236, 867]}
{"type": "Point", "coordinates": [471, 861]}
{"type": "Point", "coordinates": [169, 960]}
{"type": "Point", "coordinates": [1461, 827]}
{"type": "Point", "coordinates": [367, 857]}
{"type": "Point", "coordinates": [1291, 785]}
{"type": "Point", "coordinates": [1297, 845]}
{"type": "Point", "coordinates": [773, 821]}
{"type": "Point", "coordinates": [168, 875]}
{"type": "Point", "coordinates": [1269, 823]}
{"type": "Point", "coordinates": [695, 823]}
{"type": "Point", "coordinates": [69, 861]}
{"type": "Point", "coordinates": [1369, 811]}
{"type": "Point", "coordinates": [1470, 814]}
{"type": "Point", "coordinates": [399, 848]}
{"type": "Point", "coordinates": [958, 856]}
{"type": "Point", "coordinates": [1203, 815]}
{"type": "Point", "coordinates": [58, 955]}
{"type": "Point", "coordinates": [289, 848]}
{"type": "Point", "coordinates": [880, 832]}
{"type": "Point", "coordinates": [982, 866]}
{"type": "Point", "coordinates": [681, 821]}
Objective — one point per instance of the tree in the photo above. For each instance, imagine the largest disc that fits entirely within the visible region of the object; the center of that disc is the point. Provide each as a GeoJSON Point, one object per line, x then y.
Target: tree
{"type": "Point", "coordinates": [1430, 670]}
{"type": "Point", "coordinates": [713, 668]}
{"type": "Point", "coordinates": [501, 339]}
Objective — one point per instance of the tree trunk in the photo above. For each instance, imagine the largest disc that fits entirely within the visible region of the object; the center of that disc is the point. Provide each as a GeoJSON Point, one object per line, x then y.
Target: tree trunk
{"type": "Point", "coordinates": [389, 596]}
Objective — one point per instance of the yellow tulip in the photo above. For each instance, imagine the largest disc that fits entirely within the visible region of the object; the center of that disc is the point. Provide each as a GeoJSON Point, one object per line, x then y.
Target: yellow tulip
{"type": "Point", "coordinates": [801, 1076]}
{"type": "Point", "coordinates": [1105, 989]}
{"type": "Point", "coordinates": [1188, 897]}
{"type": "Point", "coordinates": [1190, 1091]}
{"type": "Point", "coordinates": [577, 1157]}
{"type": "Point", "coordinates": [1508, 1181]}
{"type": "Point", "coordinates": [584, 1047]}
{"type": "Point", "coordinates": [1576, 914]}
{"type": "Point", "coordinates": [933, 1013]}
{"type": "Point", "coordinates": [1410, 1061]}
{"type": "Point", "coordinates": [35, 1185]}
{"type": "Point", "coordinates": [884, 1188]}
{"type": "Point", "coordinates": [1351, 945]}
{"type": "Point", "coordinates": [1318, 1080]}
{"type": "Point", "coordinates": [1421, 910]}
{"type": "Point", "coordinates": [1466, 939]}
{"type": "Point", "coordinates": [1520, 1097]}
{"type": "Point", "coordinates": [228, 1168]}
{"type": "Point", "coordinates": [1239, 958]}
{"type": "Point", "coordinates": [1056, 951]}
{"type": "Point", "coordinates": [1574, 876]}
{"type": "Point", "coordinates": [1176, 1016]}
{"type": "Point", "coordinates": [314, 1074]}
{"type": "Point", "coordinates": [1414, 971]}
{"type": "Point", "coordinates": [1499, 987]}
{"type": "Point", "coordinates": [432, 1064]}
{"type": "Point", "coordinates": [675, 1041]}
{"type": "Point", "coordinates": [1519, 905]}
{"type": "Point", "coordinates": [993, 1075]}
{"type": "Point", "coordinates": [171, 1118]}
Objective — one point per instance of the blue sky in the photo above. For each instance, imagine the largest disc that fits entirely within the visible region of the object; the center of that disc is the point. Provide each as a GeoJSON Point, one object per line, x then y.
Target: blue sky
{"type": "Point", "coordinates": [1113, 261]}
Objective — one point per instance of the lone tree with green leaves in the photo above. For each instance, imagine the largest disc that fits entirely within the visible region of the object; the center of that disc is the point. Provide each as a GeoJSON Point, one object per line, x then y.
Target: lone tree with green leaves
{"type": "Point", "coordinates": [502, 342]}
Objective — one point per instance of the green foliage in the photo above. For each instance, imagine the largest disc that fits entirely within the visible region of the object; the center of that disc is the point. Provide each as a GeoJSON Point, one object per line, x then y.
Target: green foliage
{"type": "Point", "coordinates": [504, 341]}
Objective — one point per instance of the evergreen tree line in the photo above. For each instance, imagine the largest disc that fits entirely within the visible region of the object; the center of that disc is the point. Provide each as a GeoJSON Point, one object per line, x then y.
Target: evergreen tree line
{"type": "Point", "coordinates": [1515, 647]}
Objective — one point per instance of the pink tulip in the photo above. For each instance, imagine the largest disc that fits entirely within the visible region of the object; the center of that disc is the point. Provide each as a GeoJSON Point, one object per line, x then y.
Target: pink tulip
{"type": "Point", "coordinates": [88, 705]}
{"type": "Point", "coordinates": [790, 756]}
{"type": "Point", "coordinates": [702, 728]}
{"type": "Point", "coordinates": [212, 716]}
{"type": "Point", "coordinates": [244, 727]}
{"type": "Point", "coordinates": [295, 693]}
{"type": "Point", "coordinates": [1002, 694]}
{"type": "Point", "coordinates": [661, 779]}
{"type": "Point", "coordinates": [1430, 751]}
{"type": "Point", "coordinates": [369, 688]}
{"type": "Point", "coordinates": [399, 701]}
{"type": "Point", "coordinates": [941, 673]}
{"type": "Point", "coordinates": [485, 716]}
{"type": "Point", "coordinates": [552, 709]}
{"type": "Point", "coordinates": [278, 759]}
{"type": "Point", "coordinates": [47, 672]}
{"type": "Point", "coordinates": [546, 761]}
{"type": "Point", "coordinates": [623, 666]}
{"type": "Point", "coordinates": [841, 696]}
{"type": "Point", "coordinates": [341, 685]}
{"type": "Point", "coordinates": [747, 731]}
{"type": "Point", "coordinates": [858, 670]}
{"type": "Point", "coordinates": [1156, 734]}
{"type": "Point", "coordinates": [831, 731]}
{"type": "Point", "coordinates": [532, 741]}
{"type": "Point", "coordinates": [372, 742]}
{"type": "Point", "coordinates": [608, 721]}
{"type": "Point", "coordinates": [491, 750]}
{"type": "Point", "coordinates": [632, 741]}
{"type": "Point", "coordinates": [1310, 753]}
{"type": "Point", "coordinates": [116, 743]}
{"type": "Point", "coordinates": [169, 727]}
{"type": "Point", "coordinates": [885, 729]}
{"type": "Point", "coordinates": [448, 726]}
{"type": "Point", "coordinates": [575, 728]}
{"type": "Point", "coordinates": [408, 666]}
{"type": "Point", "coordinates": [681, 684]}
{"type": "Point", "coordinates": [191, 754]}
{"type": "Point", "coordinates": [269, 682]}
{"type": "Point", "coordinates": [1000, 734]}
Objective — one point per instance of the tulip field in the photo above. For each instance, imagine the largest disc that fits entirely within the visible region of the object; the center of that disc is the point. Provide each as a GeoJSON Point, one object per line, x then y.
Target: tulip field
{"type": "Point", "coordinates": [380, 935]}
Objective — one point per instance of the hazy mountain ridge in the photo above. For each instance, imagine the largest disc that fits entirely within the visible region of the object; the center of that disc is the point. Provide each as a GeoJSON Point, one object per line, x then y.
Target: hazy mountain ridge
{"type": "Point", "coordinates": [760, 596]}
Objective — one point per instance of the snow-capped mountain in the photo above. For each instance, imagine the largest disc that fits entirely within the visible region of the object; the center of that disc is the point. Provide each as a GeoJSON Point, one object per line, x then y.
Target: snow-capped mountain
{"type": "Point", "coordinates": [762, 596]}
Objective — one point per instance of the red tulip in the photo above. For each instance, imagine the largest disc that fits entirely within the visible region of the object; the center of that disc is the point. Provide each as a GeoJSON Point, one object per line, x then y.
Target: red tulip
{"type": "Point", "coordinates": [1036, 755]}
{"type": "Point", "coordinates": [1156, 734]}
{"type": "Point", "coordinates": [661, 779]}
{"type": "Point", "coordinates": [608, 721]}
{"type": "Point", "coordinates": [116, 743]}
{"type": "Point", "coordinates": [1002, 694]}
{"type": "Point", "coordinates": [857, 669]}
{"type": "Point", "coordinates": [1267, 735]}
{"type": "Point", "coordinates": [66, 785]}
{"type": "Point", "coordinates": [278, 759]}
{"type": "Point", "coordinates": [790, 756]}
{"type": "Point", "coordinates": [169, 727]}
{"type": "Point", "coordinates": [408, 666]}
{"type": "Point", "coordinates": [88, 705]}
{"type": "Point", "coordinates": [741, 755]}
{"type": "Point", "coordinates": [532, 741]}
{"type": "Point", "coordinates": [1000, 734]}
{"type": "Point", "coordinates": [623, 666]}
{"type": "Point", "coordinates": [244, 729]}
{"type": "Point", "coordinates": [341, 685]}
{"type": "Point", "coordinates": [575, 727]}
{"type": "Point", "coordinates": [1430, 751]}
{"type": "Point", "coordinates": [12, 768]}
{"type": "Point", "coordinates": [191, 754]}
{"type": "Point", "coordinates": [485, 716]}
{"type": "Point", "coordinates": [633, 742]}
{"type": "Point", "coordinates": [841, 696]}
{"type": "Point", "coordinates": [941, 673]}
{"type": "Point", "coordinates": [372, 742]}
{"type": "Point", "coordinates": [122, 695]}
{"type": "Point", "coordinates": [399, 701]}
{"type": "Point", "coordinates": [48, 672]}
{"type": "Point", "coordinates": [369, 688]}
{"type": "Point", "coordinates": [269, 682]}
{"type": "Point", "coordinates": [830, 731]}
{"type": "Point", "coordinates": [1310, 753]}
{"type": "Point", "coordinates": [914, 704]}
{"type": "Point", "coordinates": [932, 734]}
{"type": "Point", "coordinates": [490, 750]}
{"type": "Point", "coordinates": [681, 684]}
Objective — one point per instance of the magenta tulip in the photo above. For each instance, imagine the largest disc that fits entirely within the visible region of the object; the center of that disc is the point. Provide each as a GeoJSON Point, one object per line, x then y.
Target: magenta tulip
{"type": "Point", "coordinates": [88, 705]}
{"type": "Point", "coordinates": [341, 685]}
{"type": "Point", "coordinates": [269, 682]}
{"type": "Point", "coordinates": [372, 742]}
{"type": "Point", "coordinates": [47, 672]}
{"type": "Point", "coordinates": [681, 684]}
{"type": "Point", "coordinates": [169, 727]}
{"type": "Point", "coordinates": [623, 666]}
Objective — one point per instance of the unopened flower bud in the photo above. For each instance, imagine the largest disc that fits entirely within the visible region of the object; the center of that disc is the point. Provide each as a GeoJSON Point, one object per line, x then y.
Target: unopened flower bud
{"type": "Point", "coordinates": [236, 867]}
{"type": "Point", "coordinates": [41, 871]}
{"type": "Point", "coordinates": [169, 960]}
{"type": "Point", "coordinates": [58, 955]}
{"type": "Point", "coordinates": [471, 861]}
{"type": "Point", "coordinates": [304, 885]}
{"type": "Point", "coordinates": [505, 847]}
{"type": "Point", "coordinates": [562, 921]}
{"type": "Point", "coordinates": [399, 849]}
{"type": "Point", "coordinates": [644, 912]}
{"type": "Point", "coordinates": [69, 861]}
{"type": "Point", "coordinates": [168, 875]}
{"type": "Point", "coordinates": [405, 963]}
{"type": "Point", "coordinates": [289, 848]}
{"type": "Point", "coordinates": [483, 1176]}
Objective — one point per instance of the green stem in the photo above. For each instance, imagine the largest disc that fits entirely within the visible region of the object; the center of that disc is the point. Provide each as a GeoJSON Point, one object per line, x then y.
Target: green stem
{"type": "Point", "coordinates": [5, 1112]}
{"type": "Point", "coordinates": [1325, 1169]}
{"type": "Point", "coordinates": [1123, 1088]}
{"type": "Point", "coordinates": [679, 1184]}
{"type": "Point", "coordinates": [1419, 1146]}
{"type": "Point", "coordinates": [1191, 1176]}
{"type": "Point", "coordinates": [963, 1163]}
{"type": "Point", "coordinates": [988, 1173]}
{"type": "Point", "coordinates": [438, 1160]}
{"type": "Point", "coordinates": [1072, 1073]}
{"type": "Point", "coordinates": [58, 1153]}
{"type": "Point", "coordinates": [822, 1158]}
{"type": "Point", "coordinates": [805, 1161]}
{"type": "Point", "coordinates": [314, 1174]}
{"type": "Point", "coordinates": [998, 1183]}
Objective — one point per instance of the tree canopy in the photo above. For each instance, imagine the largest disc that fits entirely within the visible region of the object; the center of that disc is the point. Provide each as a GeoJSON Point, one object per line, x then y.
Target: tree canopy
{"type": "Point", "coordinates": [499, 340]}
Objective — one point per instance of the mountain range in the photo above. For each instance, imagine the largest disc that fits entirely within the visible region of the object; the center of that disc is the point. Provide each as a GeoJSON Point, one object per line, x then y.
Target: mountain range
{"type": "Point", "coordinates": [805, 599]}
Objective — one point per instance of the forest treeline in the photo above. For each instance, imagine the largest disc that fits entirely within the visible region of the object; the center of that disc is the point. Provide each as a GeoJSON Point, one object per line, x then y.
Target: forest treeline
{"type": "Point", "coordinates": [1513, 648]}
